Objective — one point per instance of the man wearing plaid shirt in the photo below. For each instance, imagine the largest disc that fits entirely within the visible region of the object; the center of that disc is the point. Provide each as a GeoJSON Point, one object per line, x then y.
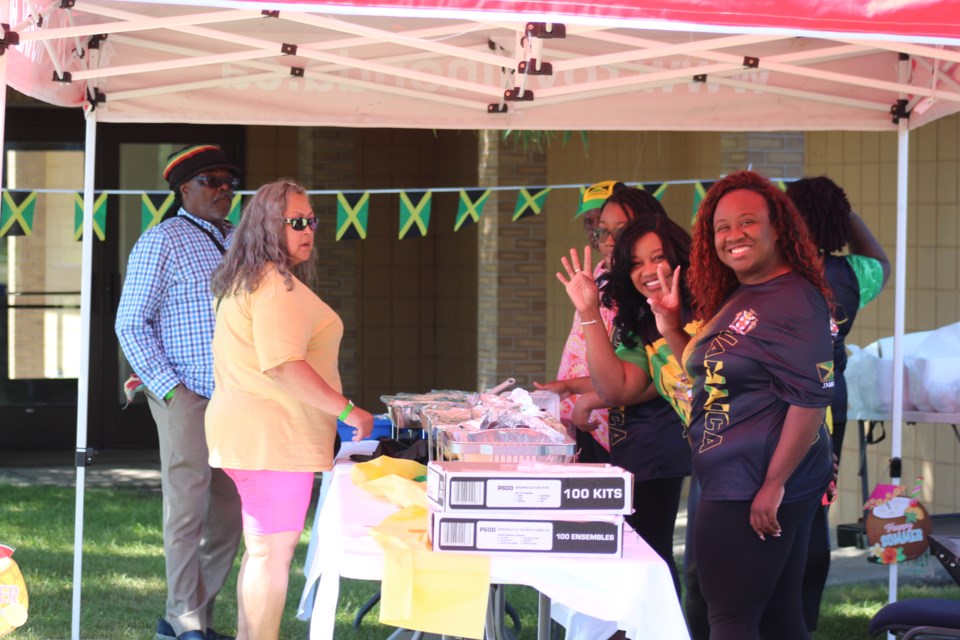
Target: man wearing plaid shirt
{"type": "Point", "coordinates": [165, 326]}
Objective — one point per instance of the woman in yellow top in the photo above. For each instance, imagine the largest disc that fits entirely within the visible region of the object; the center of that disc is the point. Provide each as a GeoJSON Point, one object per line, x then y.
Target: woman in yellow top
{"type": "Point", "coordinates": [272, 420]}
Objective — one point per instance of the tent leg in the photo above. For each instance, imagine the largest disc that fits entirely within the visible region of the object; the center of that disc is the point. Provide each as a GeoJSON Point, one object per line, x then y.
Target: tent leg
{"type": "Point", "coordinates": [900, 275]}
{"type": "Point", "coordinates": [3, 83]}
{"type": "Point", "coordinates": [86, 272]}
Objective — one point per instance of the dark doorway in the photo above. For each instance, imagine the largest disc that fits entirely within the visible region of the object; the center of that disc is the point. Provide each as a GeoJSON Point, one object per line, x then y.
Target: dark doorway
{"type": "Point", "coordinates": [40, 325]}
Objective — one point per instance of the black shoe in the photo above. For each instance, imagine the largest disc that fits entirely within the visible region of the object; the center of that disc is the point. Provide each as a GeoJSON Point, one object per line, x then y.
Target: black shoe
{"type": "Point", "coordinates": [165, 630]}
{"type": "Point", "coordinates": [195, 634]}
{"type": "Point", "coordinates": [213, 635]}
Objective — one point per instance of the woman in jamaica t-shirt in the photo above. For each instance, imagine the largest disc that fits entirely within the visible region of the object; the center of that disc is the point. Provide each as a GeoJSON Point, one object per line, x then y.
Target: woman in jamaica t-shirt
{"type": "Point", "coordinates": [647, 435]}
{"type": "Point", "coordinates": [762, 370]}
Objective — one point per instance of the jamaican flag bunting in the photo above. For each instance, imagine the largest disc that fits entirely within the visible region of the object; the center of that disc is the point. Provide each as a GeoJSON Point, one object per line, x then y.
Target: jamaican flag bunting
{"type": "Point", "coordinates": [781, 185]}
{"type": "Point", "coordinates": [530, 204]}
{"type": "Point", "coordinates": [699, 193]}
{"type": "Point", "coordinates": [656, 189]}
{"type": "Point", "coordinates": [16, 213]}
{"type": "Point", "coordinates": [99, 216]}
{"type": "Point", "coordinates": [414, 213]}
{"type": "Point", "coordinates": [235, 208]}
{"type": "Point", "coordinates": [153, 206]}
{"type": "Point", "coordinates": [352, 213]}
{"type": "Point", "coordinates": [471, 206]}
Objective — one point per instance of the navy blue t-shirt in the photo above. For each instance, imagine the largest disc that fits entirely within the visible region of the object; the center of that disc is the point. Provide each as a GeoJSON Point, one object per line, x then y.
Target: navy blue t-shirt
{"type": "Point", "coordinates": [647, 440]}
{"type": "Point", "coordinates": [846, 302]}
{"type": "Point", "coordinates": [767, 348]}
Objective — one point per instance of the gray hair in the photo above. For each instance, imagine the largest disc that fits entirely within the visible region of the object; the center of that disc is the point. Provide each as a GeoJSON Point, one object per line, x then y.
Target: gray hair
{"type": "Point", "coordinates": [260, 240]}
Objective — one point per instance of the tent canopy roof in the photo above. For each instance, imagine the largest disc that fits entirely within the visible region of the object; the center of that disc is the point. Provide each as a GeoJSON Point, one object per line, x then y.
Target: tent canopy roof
{"type": "Point", "coordinates": [460, 64]}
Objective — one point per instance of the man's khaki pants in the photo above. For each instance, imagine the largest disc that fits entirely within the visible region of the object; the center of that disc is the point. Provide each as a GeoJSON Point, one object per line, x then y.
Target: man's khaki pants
{"type": "Point", "coordinates": [201, 512]}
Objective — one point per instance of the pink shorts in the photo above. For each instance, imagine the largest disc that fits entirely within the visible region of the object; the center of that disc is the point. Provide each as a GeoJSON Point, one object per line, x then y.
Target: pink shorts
{"type": "Point", "coordinates": [272, 501]}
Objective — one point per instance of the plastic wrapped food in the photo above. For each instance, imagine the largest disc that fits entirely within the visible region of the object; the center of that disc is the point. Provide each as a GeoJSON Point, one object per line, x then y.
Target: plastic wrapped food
{"type": "Point", "coordinates": [404, 408]}
{"type": "Point", "coordinates": [504, 445]}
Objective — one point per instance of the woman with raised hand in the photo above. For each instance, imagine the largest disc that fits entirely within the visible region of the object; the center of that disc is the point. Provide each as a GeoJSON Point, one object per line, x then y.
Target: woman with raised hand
{"type": "Point", "coordinates": [272, 420]}
{"type": "Point", "coordinates": [647, 434]}
{"type": "Point", "coordinates": [762, 371]}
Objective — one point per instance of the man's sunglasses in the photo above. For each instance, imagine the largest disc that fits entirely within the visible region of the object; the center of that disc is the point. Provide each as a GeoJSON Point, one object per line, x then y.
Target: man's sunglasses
{"type": "Point", "coordinates": [299, 224]}
{"type": "Point", "coordinates": [600, 235]}
{"type": "Point", "coordinates": [215, 182]}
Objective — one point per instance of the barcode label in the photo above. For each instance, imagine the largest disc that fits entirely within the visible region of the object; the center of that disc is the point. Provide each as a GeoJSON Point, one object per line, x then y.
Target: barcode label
{"type": "Point", "coordinates": [456, 534]}
{"type": "Point", "coordinates": [466, 492]}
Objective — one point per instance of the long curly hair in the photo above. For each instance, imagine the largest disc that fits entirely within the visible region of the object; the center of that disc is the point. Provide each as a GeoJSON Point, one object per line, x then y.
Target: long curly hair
{"type": "Point", "coordinates": [260, 240]}
{"type": "Point", "coordinates": [711, 281]}
{"type": "Point", "coordinates": [825, 207]}
{"type": "Point", "coordinates": [634, 317]}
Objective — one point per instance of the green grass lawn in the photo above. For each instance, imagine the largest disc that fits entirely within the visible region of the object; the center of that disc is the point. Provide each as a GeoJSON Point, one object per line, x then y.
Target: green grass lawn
{"type": "Point", "coordinates": [123, 583]}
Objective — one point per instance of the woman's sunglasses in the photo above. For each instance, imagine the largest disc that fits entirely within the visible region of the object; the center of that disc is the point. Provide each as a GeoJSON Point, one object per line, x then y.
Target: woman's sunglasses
{"type": "Point", "coordinates": [215, 182]}
{"type": "Point", "coordinates": [299, 224]}
{"type": "Point", "coordinates": [600, 235]}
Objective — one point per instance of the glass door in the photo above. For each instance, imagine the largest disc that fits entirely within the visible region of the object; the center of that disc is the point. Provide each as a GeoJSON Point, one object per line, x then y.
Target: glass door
{"type": "Point", "coordinates": [40, 272]}
{"type": "Point", "coordinates": [40, 333]}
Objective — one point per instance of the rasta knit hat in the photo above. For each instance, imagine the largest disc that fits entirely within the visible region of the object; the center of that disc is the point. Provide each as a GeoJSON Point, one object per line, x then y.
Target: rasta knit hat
{"type": "Point", "coordinates": [595, 195]}
{"type": "Point", "coordinates": [189, 161]}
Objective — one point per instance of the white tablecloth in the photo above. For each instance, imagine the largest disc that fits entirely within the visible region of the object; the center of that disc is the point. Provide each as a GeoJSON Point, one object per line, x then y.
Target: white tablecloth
{"type": "Point", "coordinates": [635, 591]}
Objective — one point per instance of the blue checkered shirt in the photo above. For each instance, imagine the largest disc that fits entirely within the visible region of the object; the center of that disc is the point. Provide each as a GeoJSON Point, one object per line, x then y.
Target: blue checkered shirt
{"type": "Point", "coordinates": [165, 319]}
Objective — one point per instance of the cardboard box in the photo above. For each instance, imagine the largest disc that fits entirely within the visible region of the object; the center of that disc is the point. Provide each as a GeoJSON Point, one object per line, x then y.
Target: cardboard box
{"type": "Point", "coordinates": [580, 488]}
{"type": "Point", "coordinates": [496, 532]}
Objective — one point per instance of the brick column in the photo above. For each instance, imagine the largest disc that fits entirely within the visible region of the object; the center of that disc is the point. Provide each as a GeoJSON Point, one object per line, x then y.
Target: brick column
{"type": "Point", "coordinates": [511, 332]}
{"type": "Point", "coordinates": [326, 161]}
{"type": "Point", "coordinates": [774, 154]}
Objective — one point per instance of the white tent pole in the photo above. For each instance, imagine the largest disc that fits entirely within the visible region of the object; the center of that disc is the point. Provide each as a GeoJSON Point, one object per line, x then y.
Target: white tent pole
{"type": "Point", "coordinates": [86, 271]}
{"type": "Point", "coordinates": [899, 313]}
{"type": "Point", "coordinates": [5, 19]}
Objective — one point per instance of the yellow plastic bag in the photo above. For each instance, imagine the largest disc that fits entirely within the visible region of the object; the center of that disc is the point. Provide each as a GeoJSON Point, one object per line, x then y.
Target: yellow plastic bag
{"type": "Point", "coordinates": [444, 593]}
{"type": "Point", "coordinates": [399, 491]}
{"type": "Point", "coordinates": [385, 466]}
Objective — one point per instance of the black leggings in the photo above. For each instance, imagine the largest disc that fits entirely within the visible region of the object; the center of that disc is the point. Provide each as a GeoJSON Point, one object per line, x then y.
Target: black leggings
{"type": "Point", "coordinates": [655, 504]}
{"type": "Point", "coordinates": [818, 566]}
{"type": "Point", "coordinates": [752, 586]}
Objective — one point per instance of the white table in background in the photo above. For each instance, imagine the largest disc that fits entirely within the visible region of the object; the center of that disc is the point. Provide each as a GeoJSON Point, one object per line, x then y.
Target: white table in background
{"type": "Point", "coordinates": [635, 591]}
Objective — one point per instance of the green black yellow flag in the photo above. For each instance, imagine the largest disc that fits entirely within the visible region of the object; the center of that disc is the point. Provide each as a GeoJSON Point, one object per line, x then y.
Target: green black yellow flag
{"type": "Point", "coordinates": [530, 204]}
{"type": "Point", "coordinates": [471, 206]}
{"type": "Point", "coordinates": [414, 213]}
{"type": "Point", "coordinates": [153, 206]}
{"type": "Point", "coordinates": [99, 216]}
{"type": "Point", "coordinates": [699, 193]}
{"type": "Point", "coordinates": [352, 213]}
{"type": "Point", "coordinates": [781, 184]}
{"type": "Point", "coordinates": [656, 189]}
{"type": "Point", "coordinates": [16, 213]}
{"type": "Point", "coordinates": [234, 215]}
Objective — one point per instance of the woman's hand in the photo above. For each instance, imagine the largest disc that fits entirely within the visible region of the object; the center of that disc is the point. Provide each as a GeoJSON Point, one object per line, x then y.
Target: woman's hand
{"type": "Point", "coordinates": [763, 510]}
{"type": "Point", "coordinates": [579, 283]}
{"type": "Point", "coordinates": [580, 415]}
{"type": "Point", "coordinates": [558, 387]}
{"type": "Point", "coordinates": [666, 306]}
{"type": "Point", "coordinates": [362, 422]}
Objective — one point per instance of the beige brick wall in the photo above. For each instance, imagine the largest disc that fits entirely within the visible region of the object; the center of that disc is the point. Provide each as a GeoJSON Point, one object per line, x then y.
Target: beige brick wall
{"type": "Point", "coordinates": [775, 154]}
{"type": "Point", "coordinates": [864, 164]}
{"type": "Point", "coordinates": [511, 338]}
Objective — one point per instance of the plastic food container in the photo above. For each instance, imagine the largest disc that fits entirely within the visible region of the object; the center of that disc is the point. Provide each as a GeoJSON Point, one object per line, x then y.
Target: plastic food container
{"type": "Point", "coordinates": [504, 445]}
{"type": "Point", "coordinates": [436, 420]}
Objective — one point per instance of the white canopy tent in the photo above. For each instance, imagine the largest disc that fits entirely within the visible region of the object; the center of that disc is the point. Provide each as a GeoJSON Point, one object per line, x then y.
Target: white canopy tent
{"type": "Point", "coordinates": [489, 64]}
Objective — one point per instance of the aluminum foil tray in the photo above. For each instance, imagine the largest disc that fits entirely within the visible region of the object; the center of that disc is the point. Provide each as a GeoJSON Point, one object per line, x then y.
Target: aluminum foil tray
{"type": "Point", "coordinates": [503, 445]}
